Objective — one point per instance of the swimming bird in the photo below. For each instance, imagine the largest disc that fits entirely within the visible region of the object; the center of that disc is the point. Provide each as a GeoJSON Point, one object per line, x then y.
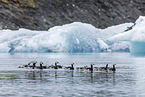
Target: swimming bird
{"type": "Point", "coordinates": [101, 68]}
{"type": "Point", "coordinates": [27, 65]}
{"type": "Point", "coordinates": [59, 66]}
{"type": "Point", "coordinates": [54, 66]}
{"type": "Point", "coordinates": [112, 69]}
{"type": "Point", "coordinates": [21, 67]}
{"type": "Point", "coordinates": [32, 66]}
{"type": "Point", "coordinates": [90, 68]}
{"type": "Point", "coordinates": [50, 67]}
{"type": "Point", "coordinates": [41, 67]}
{"type": "Point", "coordinates": [70, 67]}
{"type": "Point", "coordinates": [82, 68]}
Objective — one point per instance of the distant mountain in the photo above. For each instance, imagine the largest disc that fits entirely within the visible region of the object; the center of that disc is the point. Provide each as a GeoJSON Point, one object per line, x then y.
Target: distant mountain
{"type": "Point", "coordinates": [43, 14]}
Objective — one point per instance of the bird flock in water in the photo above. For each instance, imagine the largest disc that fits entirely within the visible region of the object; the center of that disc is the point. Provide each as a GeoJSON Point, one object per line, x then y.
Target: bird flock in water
{"type": "Point", "coordinates": [32, 65]}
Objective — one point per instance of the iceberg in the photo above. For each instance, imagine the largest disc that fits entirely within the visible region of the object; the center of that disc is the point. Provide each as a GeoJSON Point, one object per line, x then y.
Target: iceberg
{"type": "Point", "coordinates": [135, 36]}
{"type": "Point", "coordinates": [75, 37]}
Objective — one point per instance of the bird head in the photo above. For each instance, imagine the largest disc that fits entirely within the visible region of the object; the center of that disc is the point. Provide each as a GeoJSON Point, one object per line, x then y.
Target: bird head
{"type": "Point", "coordinates": [92, 64]}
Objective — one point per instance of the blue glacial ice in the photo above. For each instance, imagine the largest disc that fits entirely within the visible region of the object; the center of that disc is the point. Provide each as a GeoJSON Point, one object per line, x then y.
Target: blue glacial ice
{"type": "Point", "coordinates": [135, 37]}
{"type": "Point", "coordinates": [76, 37]}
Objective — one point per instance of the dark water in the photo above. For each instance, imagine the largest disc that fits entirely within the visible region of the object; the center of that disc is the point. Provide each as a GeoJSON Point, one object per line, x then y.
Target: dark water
{"type": "Point", "coordinates": [128, 80]}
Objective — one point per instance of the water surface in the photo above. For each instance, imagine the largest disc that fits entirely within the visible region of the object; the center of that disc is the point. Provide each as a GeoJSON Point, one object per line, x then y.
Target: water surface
{"type": "Point", "coordinates": [128, 80]}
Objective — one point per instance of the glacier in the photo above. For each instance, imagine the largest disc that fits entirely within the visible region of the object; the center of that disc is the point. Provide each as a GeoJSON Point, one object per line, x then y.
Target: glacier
{"type": "Point", "coordinates": [75, 37]}
{"type": "Point", "coordinates": [135, 36]}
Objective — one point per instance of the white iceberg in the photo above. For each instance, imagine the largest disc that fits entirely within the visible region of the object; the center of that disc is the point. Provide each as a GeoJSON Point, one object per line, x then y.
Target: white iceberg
{"type": "Point", "coordinates": [75, 37]}
{"type": "Point", "coordinates": [135, 36]}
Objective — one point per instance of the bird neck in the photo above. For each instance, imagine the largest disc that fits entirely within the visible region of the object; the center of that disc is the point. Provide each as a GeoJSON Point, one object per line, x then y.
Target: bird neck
{"type": "Point", "coordinates": [56, 65]}
{"type": "Point", "coordinates": [34, 65]}
{"type": "Point", "coordinates": [72, 65]}
{"type": "Point", "coordinates": [113, 66]}
{"type": "Point", "coordinates": [91, 67]}
{"type": "Point", "coordinates": [40, 65]}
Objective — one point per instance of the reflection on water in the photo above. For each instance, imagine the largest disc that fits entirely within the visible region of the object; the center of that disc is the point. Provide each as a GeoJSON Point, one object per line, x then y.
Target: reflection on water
{"type": "Point", "coordinates": [68, 78]}
{"type": "Point", "coordinates": [128, 80]}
